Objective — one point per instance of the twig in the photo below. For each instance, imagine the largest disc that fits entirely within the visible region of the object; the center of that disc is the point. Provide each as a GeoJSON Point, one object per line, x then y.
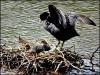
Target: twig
{"type": "Point", "coordinates": [25, 57]}
{"type": "Point", "coordinates": [58, 66]}
{"type": "Point", "coordinates": [91, 58]}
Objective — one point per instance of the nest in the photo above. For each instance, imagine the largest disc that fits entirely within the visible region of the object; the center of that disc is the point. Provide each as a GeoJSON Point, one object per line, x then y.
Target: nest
{"type": "Point", "coordinates": [52, 62]}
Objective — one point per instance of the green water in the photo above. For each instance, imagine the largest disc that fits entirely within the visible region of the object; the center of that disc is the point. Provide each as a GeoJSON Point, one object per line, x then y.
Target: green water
{"type": "Point", "coordinates": [22, 18]}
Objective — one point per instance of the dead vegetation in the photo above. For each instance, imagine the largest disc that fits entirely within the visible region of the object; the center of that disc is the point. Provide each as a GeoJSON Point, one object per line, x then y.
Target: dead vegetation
{"type": "Point", "coordinates": [27, 61]}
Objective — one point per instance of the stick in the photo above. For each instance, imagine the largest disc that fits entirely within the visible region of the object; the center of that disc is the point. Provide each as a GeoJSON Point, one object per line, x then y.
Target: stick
{"type": "Point", "coordinates": [91, 58]}
{"type": "Point", "coordinates": [58, 66]}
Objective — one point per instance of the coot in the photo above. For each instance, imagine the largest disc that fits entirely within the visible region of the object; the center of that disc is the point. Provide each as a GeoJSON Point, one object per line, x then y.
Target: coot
{"type": "Point", "coordinates": [61, 25]}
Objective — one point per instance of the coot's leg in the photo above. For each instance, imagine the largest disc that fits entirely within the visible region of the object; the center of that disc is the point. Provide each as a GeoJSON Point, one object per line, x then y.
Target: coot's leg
{"type": "Point", "coordinates": [62, 45]}
{"type": "Point", "coordinates": [58, 44]}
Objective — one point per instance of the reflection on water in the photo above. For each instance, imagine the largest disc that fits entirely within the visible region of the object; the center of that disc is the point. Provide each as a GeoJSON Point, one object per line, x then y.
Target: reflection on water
{"type": "Point", "coordinates": [22, 18]}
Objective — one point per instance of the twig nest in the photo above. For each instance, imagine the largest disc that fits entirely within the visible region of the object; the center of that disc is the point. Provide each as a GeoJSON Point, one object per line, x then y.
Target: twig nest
{"type": "Point", "coordinates": [41, 59]}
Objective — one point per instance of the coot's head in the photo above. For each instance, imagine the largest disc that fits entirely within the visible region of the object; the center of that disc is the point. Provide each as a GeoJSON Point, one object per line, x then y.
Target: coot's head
{"type": "Point", "coordinates": [44, 16]}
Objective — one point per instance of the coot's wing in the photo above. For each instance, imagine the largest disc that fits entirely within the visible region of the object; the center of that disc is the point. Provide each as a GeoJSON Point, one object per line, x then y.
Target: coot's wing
{"type": "Point", "coordinates": [57, 16]}
{"type": "Point", "coordinates": [73, 17]}
{"type": "Point", "coordinates": [85, 20]}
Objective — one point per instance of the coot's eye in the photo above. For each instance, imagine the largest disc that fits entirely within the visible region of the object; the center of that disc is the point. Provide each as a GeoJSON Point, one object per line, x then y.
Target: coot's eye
{"type": "Point", "coordinates": [44, 16]}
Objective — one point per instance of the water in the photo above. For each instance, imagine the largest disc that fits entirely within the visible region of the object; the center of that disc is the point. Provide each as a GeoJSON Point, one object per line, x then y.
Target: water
{"type": "Point", "coordinates": [22, 18]}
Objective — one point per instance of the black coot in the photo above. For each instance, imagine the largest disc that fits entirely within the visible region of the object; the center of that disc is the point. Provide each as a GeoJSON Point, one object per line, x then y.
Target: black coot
{"type": "Point", "coordinates": [62, 26]}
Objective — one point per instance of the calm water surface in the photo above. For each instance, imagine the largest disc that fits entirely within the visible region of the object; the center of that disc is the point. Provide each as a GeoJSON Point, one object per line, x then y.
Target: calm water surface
{"type": "Point", "coordinates": [22, 18]}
